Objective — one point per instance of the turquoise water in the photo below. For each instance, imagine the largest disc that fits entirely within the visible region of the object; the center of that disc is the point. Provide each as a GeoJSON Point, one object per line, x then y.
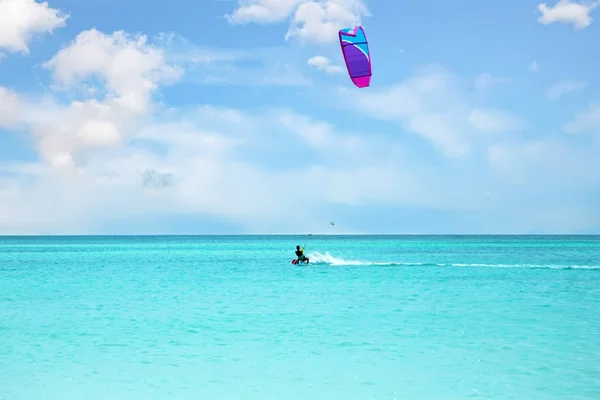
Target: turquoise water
{"type": "Point", "coordinates": [231, 318]}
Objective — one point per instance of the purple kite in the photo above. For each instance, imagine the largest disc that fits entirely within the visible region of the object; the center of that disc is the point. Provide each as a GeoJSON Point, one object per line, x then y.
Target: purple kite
{"type": "Point", "coordinates": [356, 54]}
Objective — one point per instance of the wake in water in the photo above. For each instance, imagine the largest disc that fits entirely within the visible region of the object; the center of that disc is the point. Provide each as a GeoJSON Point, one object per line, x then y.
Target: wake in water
{"type": "Point", "coordinates": [328, 259]}
{"type": "Point", "coordinates": [318, 258]}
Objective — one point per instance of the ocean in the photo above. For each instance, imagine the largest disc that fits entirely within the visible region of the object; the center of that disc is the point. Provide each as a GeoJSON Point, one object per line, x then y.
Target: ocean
{"type": "Point", "coordinates": [229, 317]}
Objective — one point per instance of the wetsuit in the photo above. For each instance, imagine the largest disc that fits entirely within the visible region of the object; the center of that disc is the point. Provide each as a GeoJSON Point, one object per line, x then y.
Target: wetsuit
{"type": "Point", "coordinates": [300, 254]}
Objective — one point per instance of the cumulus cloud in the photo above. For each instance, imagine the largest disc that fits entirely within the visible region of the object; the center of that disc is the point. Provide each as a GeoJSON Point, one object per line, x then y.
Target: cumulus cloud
{"type": "Point", "coordinates": [199, 172]}
{"type": "Point", "coordinates": [324, 64]}
{"type": "Point", "coordinates": [198, 162]}
{"type": "Point", "coordinates": [20, 20]}
{"type": "Point", "coordinates": [64, 133]}
{"type": "Point", "coordinates": [319, 22]}
{"type": "Point", "coordinates": [568, 12]}
{"type": "Point", "coordinates": [129, 70]}
{"type": "Point", "coordinates": [494, 121]}
{"type": "Point", "coordinates": [130, 67]}
{"type": "Point", "coordinates": [323, 137]}
{"type": "Point", "coordinates": [129, 158]}
{"type": "Point", "coordinates": [311, 21]}
{"type": "Point", "coordinates": [10, 108]}
{"type": "Point", "coordinates": [586, 122]}
{"type": "Point", "coordinates": [263, 11]}
{"type": "Point", "coordinates": [437, 106]}
{"type": "Point", "coordinates": [562, 88]}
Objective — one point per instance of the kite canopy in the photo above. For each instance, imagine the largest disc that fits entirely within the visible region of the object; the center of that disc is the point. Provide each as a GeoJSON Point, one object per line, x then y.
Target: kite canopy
{"type": "Point", "coordinates": [356, 54]}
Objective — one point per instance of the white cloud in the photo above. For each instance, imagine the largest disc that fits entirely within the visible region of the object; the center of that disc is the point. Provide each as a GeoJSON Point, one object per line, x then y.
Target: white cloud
{"type": "Point", "coordinates": [559, 89]}
{"type": "Point", "coordinates": [130, 67]}
{"type": "Point", "coordinates": [65, 133]}
{"type": "Point", "coordinates": [547, 163]}
{"type": "Point", "coordinates": [20, 20]}
{"type": "Point", "coordinates": [239, 67]}
{"type": "Point", "coordinates": [319, 22]}
{"type": "Point", "coordinates": [436, 105]}
{"type": "Point", "coordinates": [534, 66]}
{"type": "Point", "coordinates": [207, 158]}
{"type": "Point", "coordinates": [263, 11]}
{"type": "Point", "coordinates": [487, 81]}
{"type": "Point", "coordinates": [553, 184]}
{"type": "Point", "coordinates": [312, 21]}
{"type": "Point", "coordinates": [204, 174]}
{"type": "Point", "coordinates": [130, 70]}
{"type": "Point", "coordinates": [494, 121]}
{"type": "Point", "coordinates": [10, 108]}
{"type": "Point", "coordinates": [568, 12]}
{"type": "Point", "coordinates": [133, 159]}
{"type": "Point", "coordinates": [324, 138]}
{"type": "Point", "coordinates": [588, 121]}
{"type": "Point", "coordinates": [324, 64]}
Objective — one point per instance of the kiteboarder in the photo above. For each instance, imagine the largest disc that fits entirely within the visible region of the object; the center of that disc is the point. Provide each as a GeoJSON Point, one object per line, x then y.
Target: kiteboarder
{"type": "Point", "coordinates": [300, 255]}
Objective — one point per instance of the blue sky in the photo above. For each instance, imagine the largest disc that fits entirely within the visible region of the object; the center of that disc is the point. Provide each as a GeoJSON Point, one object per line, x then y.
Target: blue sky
{"type": "Point", "coordinates": [239, 117]}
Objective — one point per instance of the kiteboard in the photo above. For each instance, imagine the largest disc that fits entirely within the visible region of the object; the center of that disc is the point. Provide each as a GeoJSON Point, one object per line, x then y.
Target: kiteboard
{"type": "Point", "coordinates": [295, 261]}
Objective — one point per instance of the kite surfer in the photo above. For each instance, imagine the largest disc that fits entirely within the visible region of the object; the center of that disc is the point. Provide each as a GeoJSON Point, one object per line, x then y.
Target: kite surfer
{"type": "Point", "coordinates": [300, 255]}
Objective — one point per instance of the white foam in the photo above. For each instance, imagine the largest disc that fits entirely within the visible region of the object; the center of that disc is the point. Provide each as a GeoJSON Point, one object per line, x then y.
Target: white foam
{"type": "Point", "coordinates": [320, 258]}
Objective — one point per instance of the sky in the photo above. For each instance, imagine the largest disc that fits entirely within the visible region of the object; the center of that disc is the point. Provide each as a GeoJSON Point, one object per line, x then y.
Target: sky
{"type": "Point", "coordinates": [233, 117]}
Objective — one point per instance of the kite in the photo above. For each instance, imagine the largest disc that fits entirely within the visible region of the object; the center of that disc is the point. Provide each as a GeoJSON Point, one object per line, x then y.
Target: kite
{"type": "Point", "coordinates": [356, 55]}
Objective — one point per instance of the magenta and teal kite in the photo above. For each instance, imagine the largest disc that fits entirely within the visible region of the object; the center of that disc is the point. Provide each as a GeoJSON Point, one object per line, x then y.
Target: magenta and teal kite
{"type": "Point", "coordinates": [356, 54]}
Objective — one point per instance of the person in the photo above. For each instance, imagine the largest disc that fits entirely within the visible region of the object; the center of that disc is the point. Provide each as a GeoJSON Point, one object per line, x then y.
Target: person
{"type": "Point", "coordinates": [300, 254]}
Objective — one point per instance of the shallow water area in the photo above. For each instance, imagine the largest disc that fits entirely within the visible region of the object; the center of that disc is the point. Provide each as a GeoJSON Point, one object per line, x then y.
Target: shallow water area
{"type": "Point", "coordinates": [229, 317]}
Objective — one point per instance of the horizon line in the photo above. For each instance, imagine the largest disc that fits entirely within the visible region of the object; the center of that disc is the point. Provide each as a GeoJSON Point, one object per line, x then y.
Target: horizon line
{"type": "Point", "coordinates": [297, 234]}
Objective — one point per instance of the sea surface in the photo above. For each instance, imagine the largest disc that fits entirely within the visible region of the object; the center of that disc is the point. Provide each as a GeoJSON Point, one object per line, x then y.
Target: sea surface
{"type": "Point", "coordinates": [229, 317]}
